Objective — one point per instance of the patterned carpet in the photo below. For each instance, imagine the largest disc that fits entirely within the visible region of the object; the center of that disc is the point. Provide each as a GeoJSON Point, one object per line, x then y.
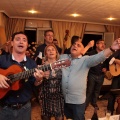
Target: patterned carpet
{"type": "Point", "coordinates": [102, 104]}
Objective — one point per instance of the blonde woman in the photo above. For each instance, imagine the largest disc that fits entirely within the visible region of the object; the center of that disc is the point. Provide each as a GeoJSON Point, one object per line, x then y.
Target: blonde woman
{"type": "Point", "coordinates": [50, 95]}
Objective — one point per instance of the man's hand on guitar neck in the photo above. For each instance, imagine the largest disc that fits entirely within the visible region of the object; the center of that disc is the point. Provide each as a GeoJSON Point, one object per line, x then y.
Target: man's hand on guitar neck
{"type": "Point", "coordinates": [39, 76]}
{"type": "Point", "coordinates": [46, 74]}
{"type": "Point", "coordinates": [3, 81]}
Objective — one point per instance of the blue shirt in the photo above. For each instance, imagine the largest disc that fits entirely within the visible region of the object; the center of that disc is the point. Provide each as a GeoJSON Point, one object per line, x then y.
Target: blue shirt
{"type": "Point", "coordinates": [74, 78]}
{"type": "Point", "coordinates": [23, 94]}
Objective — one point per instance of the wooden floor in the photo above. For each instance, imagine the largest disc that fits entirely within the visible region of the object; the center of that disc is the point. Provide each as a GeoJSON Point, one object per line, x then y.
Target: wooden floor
{"type": "Point", "coordinates": [88, 113]}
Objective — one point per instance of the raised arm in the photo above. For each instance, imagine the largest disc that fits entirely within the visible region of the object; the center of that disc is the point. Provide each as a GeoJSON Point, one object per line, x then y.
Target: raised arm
{"type": "Point", "coordinates": [101, 56]}
{"type": "Point", "coordinates": [89, 45]}
{"type": "Point", "coordinates": [114, 47]}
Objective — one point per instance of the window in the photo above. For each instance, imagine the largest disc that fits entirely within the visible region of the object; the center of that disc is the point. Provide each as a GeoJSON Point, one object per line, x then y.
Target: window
{"type": "Point", "coordinates": [88, 36]}
{"type": "Point", "coordinates": [40, 35]}
{"type": "Point", "coordinates": [31, 34]}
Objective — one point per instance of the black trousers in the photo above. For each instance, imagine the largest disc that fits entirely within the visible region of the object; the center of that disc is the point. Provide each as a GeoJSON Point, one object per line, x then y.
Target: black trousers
{"type": "Point", "coordinates": [111, 100]}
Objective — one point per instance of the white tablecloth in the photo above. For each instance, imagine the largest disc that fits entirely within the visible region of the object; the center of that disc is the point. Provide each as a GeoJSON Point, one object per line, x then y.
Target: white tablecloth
{"type": "Point", "coordinates": [113, 117]}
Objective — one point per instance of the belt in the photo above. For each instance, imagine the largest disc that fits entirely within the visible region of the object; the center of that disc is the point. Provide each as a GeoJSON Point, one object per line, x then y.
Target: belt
{"type": "Point", "coordinates": [14, 106]}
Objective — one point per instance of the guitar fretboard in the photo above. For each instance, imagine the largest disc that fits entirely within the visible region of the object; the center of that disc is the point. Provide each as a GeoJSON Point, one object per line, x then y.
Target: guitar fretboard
{"type": "Point", "coordinates": [28, 73]}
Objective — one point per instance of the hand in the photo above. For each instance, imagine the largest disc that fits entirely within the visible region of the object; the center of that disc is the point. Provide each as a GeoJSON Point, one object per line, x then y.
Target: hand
{"type": "Point", "coordinates": [38, 75]}
{"type": "Point", "coordinates": [47, 74]}
{"type": "Point", "coordinates": [3, 82]}
{"type": "Point", "coordinates": [8, 42]}
{"type": "Point", "coordinates": [7, 46]}
{"type": "Point", "coordinates": [116, 44]}
{"type": "Point", "coordinates": [91, 43]}
{"type": "Point", "coordinates": [104, 70]}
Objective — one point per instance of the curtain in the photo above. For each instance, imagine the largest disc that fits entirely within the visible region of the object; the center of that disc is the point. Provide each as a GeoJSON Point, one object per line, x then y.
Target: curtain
{"type": "Point", "coordinates": [14, 25]}
{"type": "Point", "coordinates": [4, 19]}
{"type": "Point", "coordinates": [59, 29]}
{"type": "Point", "coordinates": [115, 29]}
{"type": "Point", "coordinates": [2, 36]}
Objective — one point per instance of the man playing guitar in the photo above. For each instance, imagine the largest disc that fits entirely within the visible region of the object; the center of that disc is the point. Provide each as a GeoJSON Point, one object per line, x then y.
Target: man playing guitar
{"type": "Point", "coordinates": [17, 100]}
{"type": "Point", "coordinates": [114, 67]}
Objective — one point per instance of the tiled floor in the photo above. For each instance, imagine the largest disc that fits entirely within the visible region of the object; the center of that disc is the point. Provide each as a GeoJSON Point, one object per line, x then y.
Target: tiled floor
{"type": "Point", "coordinates": [88, 114]}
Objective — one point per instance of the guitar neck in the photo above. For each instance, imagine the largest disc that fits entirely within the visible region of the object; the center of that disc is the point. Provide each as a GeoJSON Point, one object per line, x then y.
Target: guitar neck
{"type": "Point", "coordinates": [28, 73]}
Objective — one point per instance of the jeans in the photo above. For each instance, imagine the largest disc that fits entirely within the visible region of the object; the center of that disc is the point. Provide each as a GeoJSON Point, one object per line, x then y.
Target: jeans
{"type": "Point", "coordinates": [23, 113]}
{"type": "Point", "coordinates": [74, 111]}
{"type": "Point", "coordinates": [111, 100]}
{"type": "Point", "coordinates": [94, 85]}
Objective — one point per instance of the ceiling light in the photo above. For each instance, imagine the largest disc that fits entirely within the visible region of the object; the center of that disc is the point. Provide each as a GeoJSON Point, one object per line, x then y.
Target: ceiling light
{"type": "Point", "coordinates": [75, 15]}
{"type": "Point", "coordinates": [111, 18]}
{"type": "Point", "coordinates": [32, 11]}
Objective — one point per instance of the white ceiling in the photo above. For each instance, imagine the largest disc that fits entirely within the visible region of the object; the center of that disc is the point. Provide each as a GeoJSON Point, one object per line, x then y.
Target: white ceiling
{"type": "Point", "coordinates": [91, 11]}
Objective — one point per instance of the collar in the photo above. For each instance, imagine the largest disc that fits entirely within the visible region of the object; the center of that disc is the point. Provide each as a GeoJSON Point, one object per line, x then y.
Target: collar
{"type": "Point", "coordinates": [79, 56]}
{"type": "Point", "coordinates": [75, 58]}
{"type": "Point", "coordinates": [13, 58]}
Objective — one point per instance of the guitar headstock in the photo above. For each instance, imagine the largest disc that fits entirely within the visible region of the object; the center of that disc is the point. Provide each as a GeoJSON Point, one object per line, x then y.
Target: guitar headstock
{"type": "Point", "coordinates": [60, 64]}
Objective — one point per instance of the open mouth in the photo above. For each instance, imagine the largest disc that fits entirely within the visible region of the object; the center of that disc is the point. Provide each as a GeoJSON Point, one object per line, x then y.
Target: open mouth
{"type": "Point", "coordinates": [51, 54]}
{"type": "Point", "coordinates": [74, 49]}
{"type": "Point", "coordinates": [20, 46]}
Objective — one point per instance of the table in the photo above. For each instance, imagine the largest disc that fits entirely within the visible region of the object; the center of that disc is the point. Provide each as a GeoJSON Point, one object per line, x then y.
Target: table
{"type": "Point", "coordinates": [113, 117]}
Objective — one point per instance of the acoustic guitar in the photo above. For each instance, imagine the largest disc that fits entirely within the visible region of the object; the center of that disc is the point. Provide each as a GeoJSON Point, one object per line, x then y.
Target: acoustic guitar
{"type": "Point", "coordinates": [15, 73]}
{"type": "Point", "coordinates": [114, 69]}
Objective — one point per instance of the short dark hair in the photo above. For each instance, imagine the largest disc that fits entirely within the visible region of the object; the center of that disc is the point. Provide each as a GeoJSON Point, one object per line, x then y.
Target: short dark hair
{"type": "Point", "coordinates": [48, 31]}
{"type": "Point", "coordinates": [16, 33]}
{"type": "Point", "coordinates": [74, 39]}
{"type": "Point", "coordinates": [99, 41]}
